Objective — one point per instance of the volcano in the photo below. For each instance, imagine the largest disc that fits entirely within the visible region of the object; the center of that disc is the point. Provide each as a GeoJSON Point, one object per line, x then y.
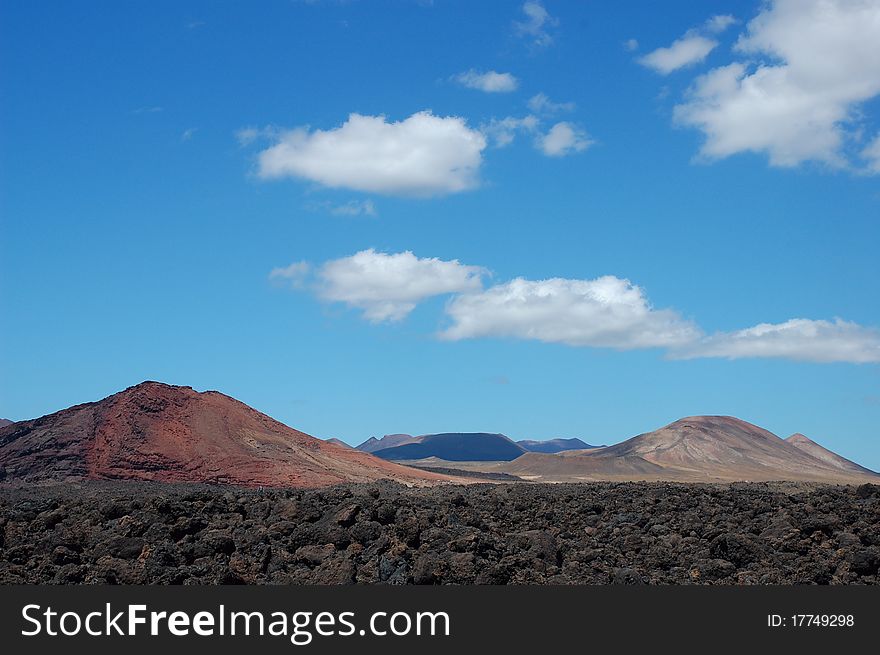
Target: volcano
{"type": "Point", "coordinates": [164, 433]}
{"type": "Point", "coordinates": [725, 447]}
{"type": "Point", "coordinates": [697, 449]}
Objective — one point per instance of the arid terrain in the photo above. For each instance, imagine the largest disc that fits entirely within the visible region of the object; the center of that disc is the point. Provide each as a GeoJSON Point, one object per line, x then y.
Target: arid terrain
{"type": "Point", "coordinates": [166, 433]}
{"type": "Point", "coordinates": [693, 449]}
{"type": "Point", "coordinates": [160, 484]}
{"type": "Point", "coordinates": [386, 533]}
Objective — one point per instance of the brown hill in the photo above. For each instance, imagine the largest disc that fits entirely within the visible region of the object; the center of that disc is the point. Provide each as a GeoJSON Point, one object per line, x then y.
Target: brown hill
{"type": "Point", "coordinates": [812, 448]}
{"type": "Point", "coordinates": [155, 431]}
{"type": "Point", "coordinates": [696, 449]}
{"type": "Point", "coordinates": [725, 447]}
{"type": "Point", "coordinates": [4, 422]}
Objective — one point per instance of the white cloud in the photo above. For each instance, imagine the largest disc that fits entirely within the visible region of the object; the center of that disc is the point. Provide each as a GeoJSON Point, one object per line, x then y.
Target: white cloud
{"type": "Point", "coordinates": [809, 66]}
{"type": "Point", "coordinates": [689, 49]}
{"type": "Point", "coordinates": [536, 24]}
{"type": "Point", "coordinates": [502, 131]}
{"type": "Point", "coordinates": [631, 45]}
{"type": "Point", "coordinates": [611, 312]}
{"type": "Point", "coordinates": [719, 23]}
{"type": "Point", "coordinates": [490, 81]}
{"type": "Point", "coordinates": [294, 275]}
{"type": "Point", "coordinates": [871, 154]}
{"type": "Point", "coordinates": [541, 104]}
{"type": "Point", "coordinates": [607, 312]}
{"type": "Point", "coordinates": [423, 155]}
{"type": "Point", "coordinates": [387, 287]}
{"type": "Point", "coordinates": [563, 139]}
{"type": "Point", "coordinates": [798, 339]}
{"type": "Point", "coordinates": [188, 134]}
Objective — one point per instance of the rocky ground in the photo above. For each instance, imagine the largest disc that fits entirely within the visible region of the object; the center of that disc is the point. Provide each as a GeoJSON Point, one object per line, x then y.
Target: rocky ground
{"type": "Point", "coordinates": [599, 533]}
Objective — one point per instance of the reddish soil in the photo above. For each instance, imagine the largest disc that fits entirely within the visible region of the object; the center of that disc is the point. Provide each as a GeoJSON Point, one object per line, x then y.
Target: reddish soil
{"type": "Point", "coordinates": [165, 433]}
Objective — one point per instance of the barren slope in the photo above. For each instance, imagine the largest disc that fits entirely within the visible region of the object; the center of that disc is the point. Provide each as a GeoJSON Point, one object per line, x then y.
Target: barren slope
{"type": "Point", "coordinates": [831, 458]}
{"type": "Point", "coordinates": [694, 449]}
{"type": "Point", "coordinates": [155, 431]}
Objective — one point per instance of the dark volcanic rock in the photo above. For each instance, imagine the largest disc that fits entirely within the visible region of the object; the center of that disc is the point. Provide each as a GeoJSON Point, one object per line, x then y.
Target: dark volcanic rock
{"type": "Point", "coordinates": [385, 533]}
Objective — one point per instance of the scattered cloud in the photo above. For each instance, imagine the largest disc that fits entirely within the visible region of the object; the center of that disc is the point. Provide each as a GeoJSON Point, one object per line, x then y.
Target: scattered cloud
{"type": "Point", "coordinates": [563, 139]}
{"type": "Point", "coordinates": [387, 287]}
{"type": "Point", "coordinates": [423, 155]}
{"type": "Point", "coordinates": [686, 51]}
{"type": "Point", "coordinates": [490, 81]}
{"type": "Point", "coordinates": [541, 104]}
{"type": "Point", "coordinates": [195, 24]}
{"type": "Point", "coordinates": [607, 312]}
{"type": "Point", "coordinates": [690, 49]}
{"type": "Point", "coordinates": [798, 339]}
{"type": "Point", "coordinates": [502, 131]}
{"type": "Point", "coordinates": [536, 25]}
{"type": "Point", "coordinates": [188, 133]}
{"type": "Point", "coordinates": [631, 45]}
{"type": "Point", "coordinates": [719, 23]}
{"type": "Point", "coordinates": [294, 275]}
{"type": "Point", "coordinates": [806, 68]}
{"type": "Point", "coordinates": [147, 110]}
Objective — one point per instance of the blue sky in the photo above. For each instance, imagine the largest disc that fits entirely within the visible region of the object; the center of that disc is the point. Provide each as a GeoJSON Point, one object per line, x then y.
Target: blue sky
{"type": "Point", "coordinates": [594, 265]}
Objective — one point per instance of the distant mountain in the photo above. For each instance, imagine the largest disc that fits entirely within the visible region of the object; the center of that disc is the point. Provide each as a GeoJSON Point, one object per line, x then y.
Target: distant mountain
{"type": "Point", "coordinates": [455, 447]}
{"type": "Point", "coordinates": [4, 422]}
{"type": "Point", "coordinates": [696, 449]}
{"type": "Point", "coordinates": [693, 449]}
{"type": "Point", "coordinates": [812, 448]}
{"type": "Point", "coordinates": [726, 448]}
{"type": "Point", "coordinates": [553, 445]}
{"type": "Point", "coordinates": [164, 433]}
{"type": "Point", "coordinates": [373, 444]}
